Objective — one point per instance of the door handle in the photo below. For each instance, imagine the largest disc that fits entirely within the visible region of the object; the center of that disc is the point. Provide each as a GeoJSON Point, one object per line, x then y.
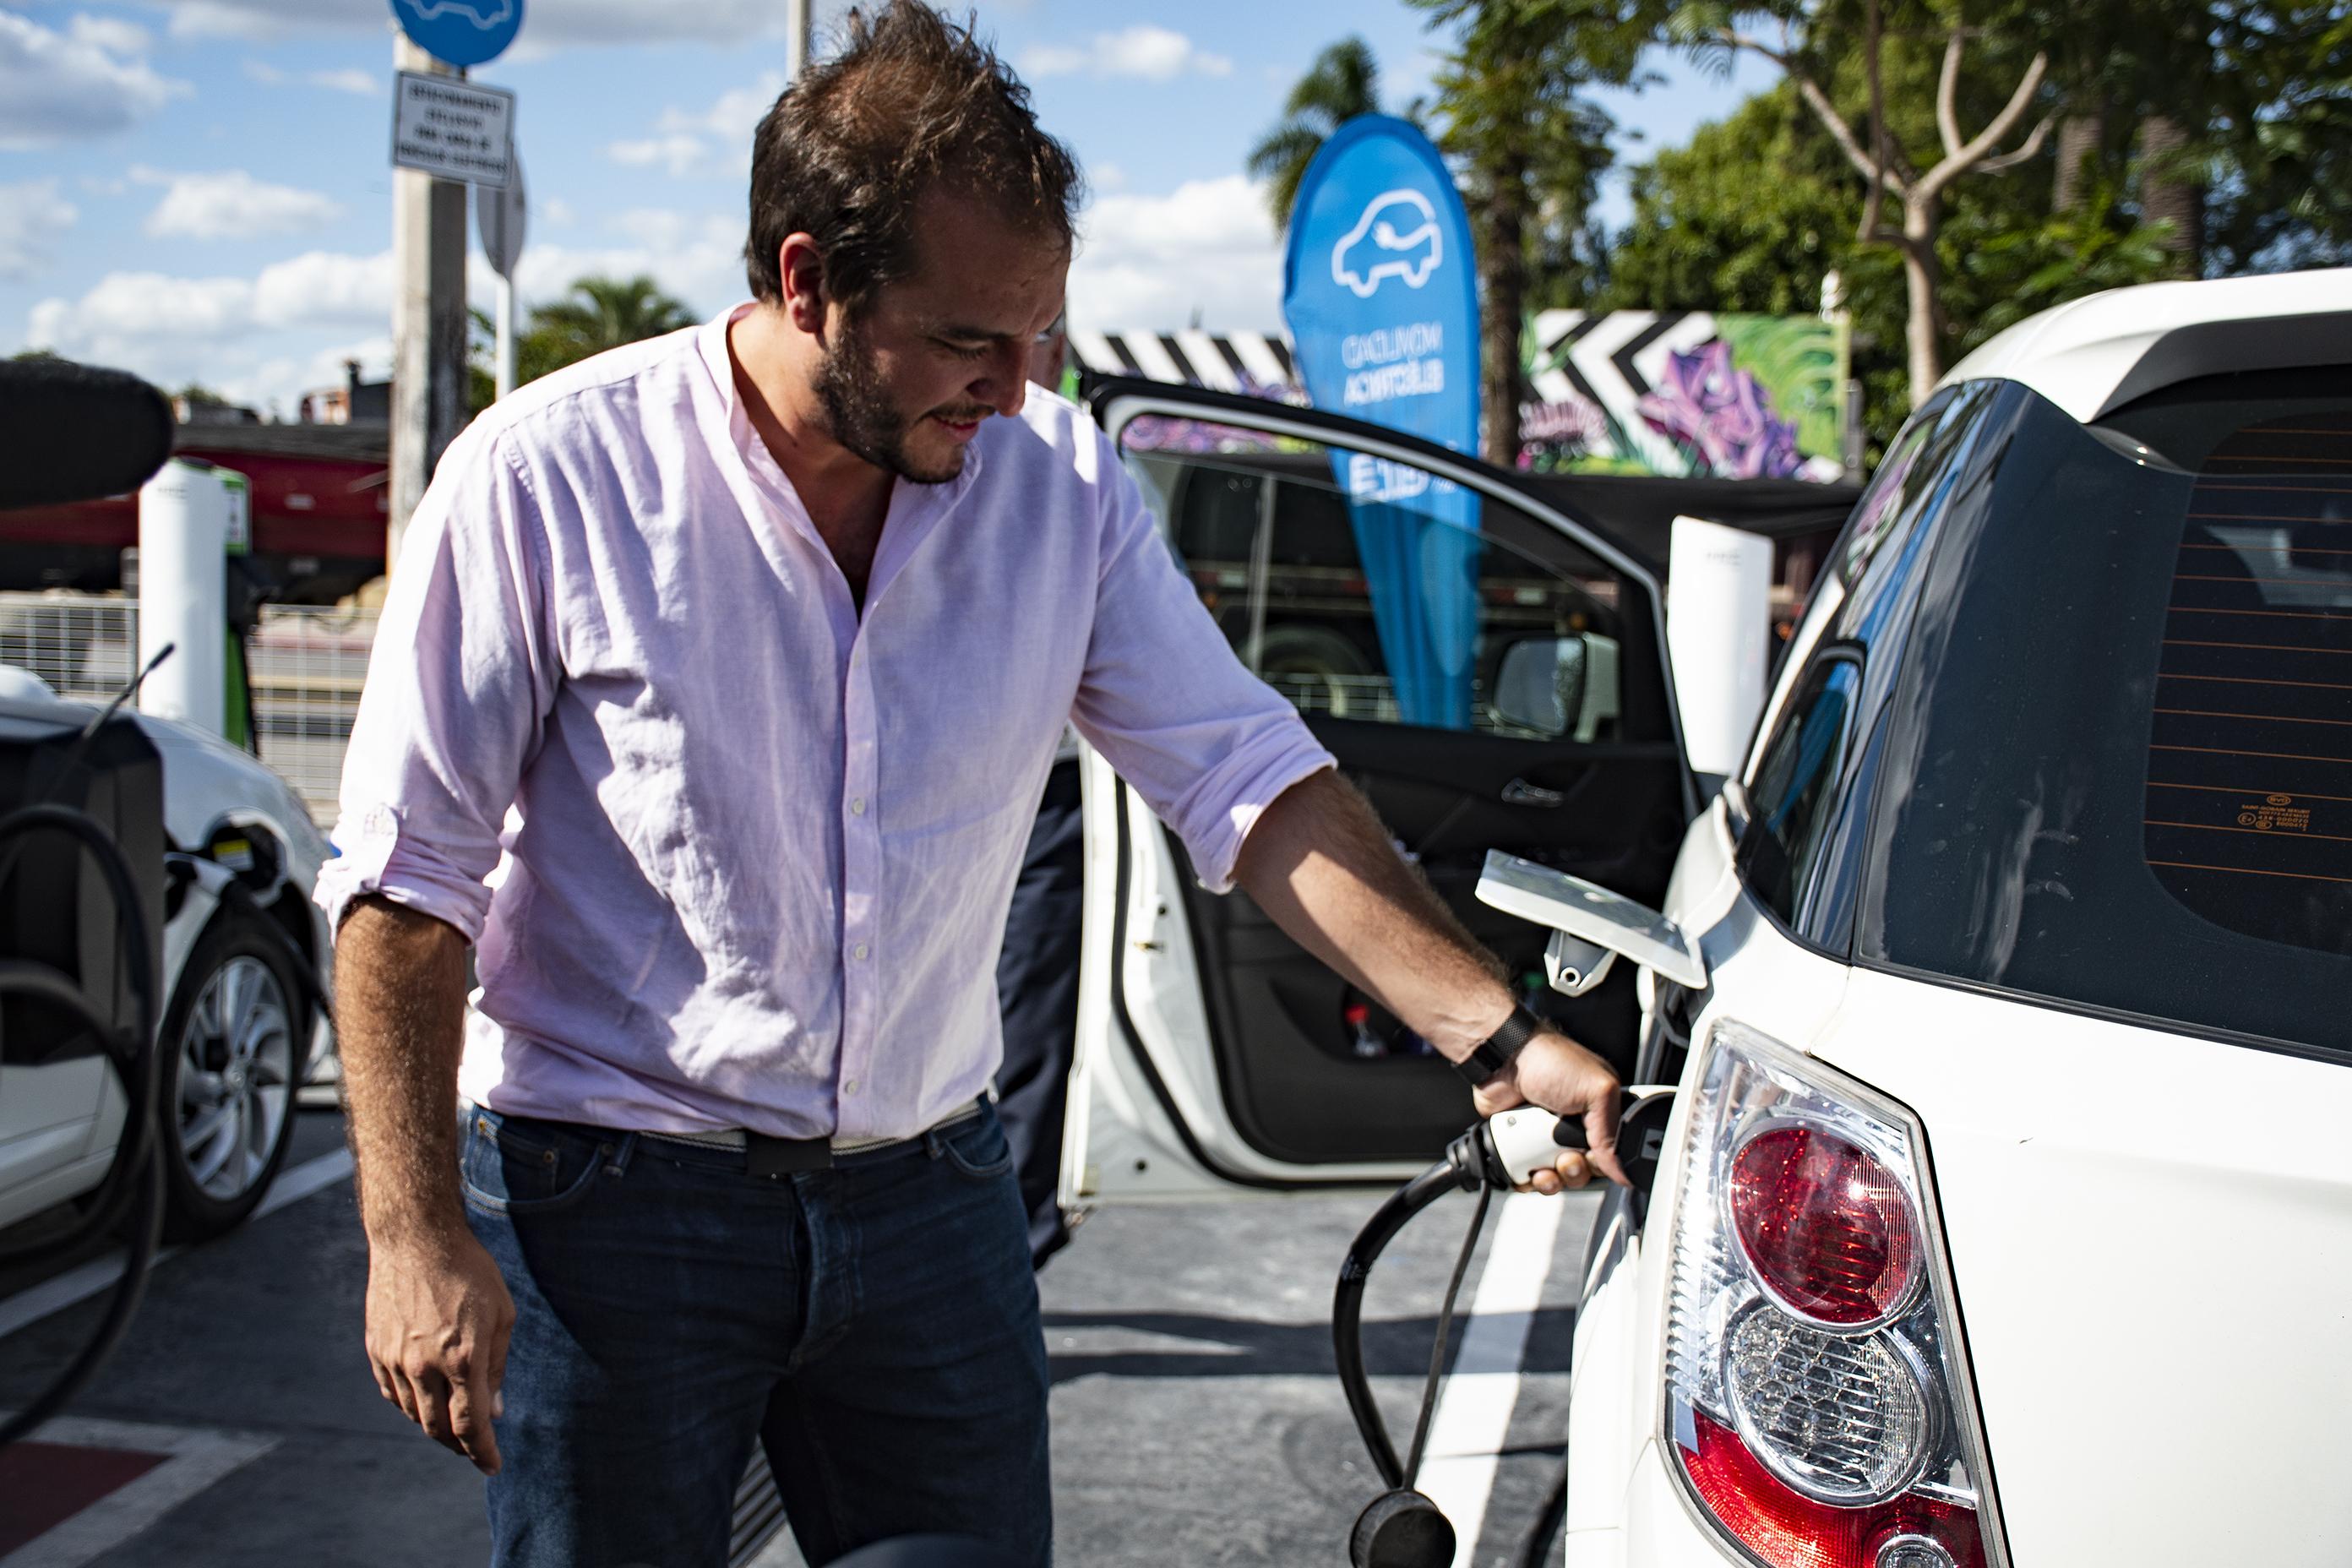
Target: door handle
{"type": "Point", "coordinates": [1518, 791]}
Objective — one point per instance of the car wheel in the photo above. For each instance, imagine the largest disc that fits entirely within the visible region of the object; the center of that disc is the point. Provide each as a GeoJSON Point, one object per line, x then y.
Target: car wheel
{"type": "Point", "coordinates": [231, 1039]}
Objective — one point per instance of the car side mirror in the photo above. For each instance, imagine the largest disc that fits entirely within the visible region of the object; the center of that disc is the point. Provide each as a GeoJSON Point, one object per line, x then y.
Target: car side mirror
{"type": "Point", "coordinates": [1593, 920]}
{"type": "Point", "coordinates": [1557, 688]}
{"type": "Point", "coordinates": [1540, 684]}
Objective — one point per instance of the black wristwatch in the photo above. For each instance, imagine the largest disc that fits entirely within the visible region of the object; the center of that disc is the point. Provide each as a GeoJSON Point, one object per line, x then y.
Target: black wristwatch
{"type": "Point", "coordinates": [1494, 1052]}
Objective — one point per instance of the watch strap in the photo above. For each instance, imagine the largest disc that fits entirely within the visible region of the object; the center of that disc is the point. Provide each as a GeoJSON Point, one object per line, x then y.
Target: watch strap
{"type": "Point", "coordinates": [1494, 1053]}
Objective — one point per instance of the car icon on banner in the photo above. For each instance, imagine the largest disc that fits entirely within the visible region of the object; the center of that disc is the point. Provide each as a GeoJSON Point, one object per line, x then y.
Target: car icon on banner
{"type": "Point", "coordinates": [1397, 236]}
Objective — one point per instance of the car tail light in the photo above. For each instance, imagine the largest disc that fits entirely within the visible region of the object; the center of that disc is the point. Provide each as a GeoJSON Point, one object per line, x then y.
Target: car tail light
{"type": "Point", "coordinates": [1817, 1394]}
{"type": "Point", "coordinates": [1824, 1225]}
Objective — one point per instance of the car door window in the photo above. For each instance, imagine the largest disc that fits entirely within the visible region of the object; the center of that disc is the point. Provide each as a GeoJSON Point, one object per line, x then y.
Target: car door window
{"type": "Point", "coordinates": [1805, 823]}
{"type": "Point", "coordinates": [1796, 780]}
{"type": "Point", "coordinates": [1365, 588]}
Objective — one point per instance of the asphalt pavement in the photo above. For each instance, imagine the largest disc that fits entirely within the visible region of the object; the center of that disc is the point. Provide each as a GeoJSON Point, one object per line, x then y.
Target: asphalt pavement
{"type": "Point", "coordinates": [1197, 1421]}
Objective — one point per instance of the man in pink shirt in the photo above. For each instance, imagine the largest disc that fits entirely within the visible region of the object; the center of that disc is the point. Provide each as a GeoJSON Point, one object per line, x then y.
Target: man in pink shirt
{"type": "Point", "coordinates": [743, 654]}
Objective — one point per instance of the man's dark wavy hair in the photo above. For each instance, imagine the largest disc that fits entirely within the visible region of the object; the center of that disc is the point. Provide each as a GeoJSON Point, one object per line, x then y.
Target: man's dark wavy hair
{"type": "Point", "coordinates": [912, 101]}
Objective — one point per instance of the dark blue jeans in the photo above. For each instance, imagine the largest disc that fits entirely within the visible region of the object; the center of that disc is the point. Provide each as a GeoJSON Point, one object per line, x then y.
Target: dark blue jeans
{"type": "Point", "coordinates": [874, 1325]}
{"type": "Point", "coordinates": [1037, 999]}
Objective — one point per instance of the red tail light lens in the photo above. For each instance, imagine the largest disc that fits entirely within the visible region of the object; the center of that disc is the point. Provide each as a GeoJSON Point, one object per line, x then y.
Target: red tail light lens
{"type": "Point", "coordinates": [1827, 1227]}
{"type": "Point", "coordinates": [1781, 1526]}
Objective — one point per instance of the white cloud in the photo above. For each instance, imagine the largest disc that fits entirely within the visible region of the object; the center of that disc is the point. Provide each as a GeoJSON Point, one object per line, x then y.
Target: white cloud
{"type": "Point", "coordinates": [1142, 50]}
{"type": "Point", "coordinates": [551, 24]}
{"type": "Point", "coordinates": [733, 115]}
{"type": "Point", "coordinates": [1152, 261]}
{"type": "Point", "coordinates": [710, 141]}
{"type": "Point", "coordinates": [681, 153]}
{"type": "Point", "coordinates": [318, 289]}
{"type": "Point", "coordinates": [127, 311]}
{"type": "Point", "coordinates": [324, 287]}
{"type": "Point", "coordinates": [554, 211]}
{"type": "Point", "coordinates": [265, 18]}
{"type": "Point", "coordinates": [110, 36]}
{"type": "Point", "coordinates": [699, 257]}
{"type": "Point", "coordinates": [31, 215]}
{"type": "Point", "coordinates": [262, 340]}
{"type": "Point", "coordinates": [231, 204]}
{"type": "Point", "coordinates": [83, 83]}
{"type": "Point", "coordinates": [365, 84]}
{"type": "Point", "coordinates": [265, 339]}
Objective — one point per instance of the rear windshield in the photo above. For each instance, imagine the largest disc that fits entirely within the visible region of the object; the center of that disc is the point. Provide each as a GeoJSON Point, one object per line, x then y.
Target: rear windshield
{"type": "Point", "coordinates": [2121, 770]}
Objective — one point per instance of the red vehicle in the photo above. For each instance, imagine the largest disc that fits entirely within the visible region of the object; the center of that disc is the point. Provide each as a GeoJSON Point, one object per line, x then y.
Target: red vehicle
{"type": "Point", "coordinates": [319, 506]}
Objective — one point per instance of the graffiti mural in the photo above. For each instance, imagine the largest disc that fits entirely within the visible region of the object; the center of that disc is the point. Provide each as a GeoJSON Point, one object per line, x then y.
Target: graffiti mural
{"type": "Point", "coordinates": [1686, 392]}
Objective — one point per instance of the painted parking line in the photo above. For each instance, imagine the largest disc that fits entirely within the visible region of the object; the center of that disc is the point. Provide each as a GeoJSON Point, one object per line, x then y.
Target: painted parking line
{"type": "Point", "coordinates": [34, 1302]}
{"type": "Point", "coordinates": [1473, 1420]}
{"type": "Point", "coordinates": [191, 1458]}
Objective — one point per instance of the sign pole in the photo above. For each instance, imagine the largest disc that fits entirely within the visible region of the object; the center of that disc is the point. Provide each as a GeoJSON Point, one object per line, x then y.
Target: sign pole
{"type": "Point", "coordinates": [499, 216]}
{"type": "Point", "coordinates": [428, 320]}
{"type": "Point", "coordinates": [506, 346]}
{"type": "Point", "coordinates": [796, 39]}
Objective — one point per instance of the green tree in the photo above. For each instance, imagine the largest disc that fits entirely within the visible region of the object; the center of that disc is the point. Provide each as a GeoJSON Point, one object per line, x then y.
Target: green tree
{"type": "Point", "coordinates": [1530, 149]}
{"type": "Point", "coordinates": [594, 315]}
{"type": "Point", "coordinates": [2281, 144]}
{"type": "Point", "coordinates": [1756, 213]}
{"type": "Point", "coordinates": [1759, 211]}
{"type": "Point", "coordinates": [1905, 189]}
{"type": "Point", "coordinates": [600, 313]}
{"type": "Point", "coordinates": [1343, 82]}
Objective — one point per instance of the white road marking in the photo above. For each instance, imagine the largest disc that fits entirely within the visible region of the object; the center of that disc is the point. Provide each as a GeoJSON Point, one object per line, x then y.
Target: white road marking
{"type": "Point", "coordinates": [1473, 1412]}
{"type": "Point", "coordinates": [195, 1458]}
{"type": "Point", "coordinates": [34, 1302]}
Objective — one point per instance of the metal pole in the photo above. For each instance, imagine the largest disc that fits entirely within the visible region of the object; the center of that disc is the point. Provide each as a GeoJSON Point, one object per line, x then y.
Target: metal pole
{"type": "Point", "coordinates": [506, 344]}
{"type": "Point", "coordinates": [428, 320]}
{"type": "Point", "coordinates": [796, 33]}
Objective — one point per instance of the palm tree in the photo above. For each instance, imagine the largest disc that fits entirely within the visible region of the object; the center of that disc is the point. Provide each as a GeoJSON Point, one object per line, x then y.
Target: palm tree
{"type": "Point", "coordinates": [600, 313]}
{"type": "Point", "coordinates": [1343, 82]}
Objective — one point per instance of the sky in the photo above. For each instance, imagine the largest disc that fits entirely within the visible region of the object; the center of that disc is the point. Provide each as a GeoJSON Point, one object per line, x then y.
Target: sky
{"type": "Point", "coordinates": [200, 190]}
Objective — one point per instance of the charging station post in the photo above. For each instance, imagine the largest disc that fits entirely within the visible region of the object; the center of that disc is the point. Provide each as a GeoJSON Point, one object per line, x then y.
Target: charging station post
{"type": "Point", "coordinates": [185, 516]}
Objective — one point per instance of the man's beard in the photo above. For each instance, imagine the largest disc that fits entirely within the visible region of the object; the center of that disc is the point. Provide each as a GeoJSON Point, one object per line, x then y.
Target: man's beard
{"type": "Point", "coordinates": [860, 415]}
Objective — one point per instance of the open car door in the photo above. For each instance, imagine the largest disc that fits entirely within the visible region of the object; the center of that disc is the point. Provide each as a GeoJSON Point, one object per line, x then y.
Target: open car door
{"type": "Point", "coordinates": [1489, 671]}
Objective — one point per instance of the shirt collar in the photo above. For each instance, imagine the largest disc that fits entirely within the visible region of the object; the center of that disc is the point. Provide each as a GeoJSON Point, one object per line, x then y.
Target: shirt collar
{"type": "Point", "coordinates": [711, 338]}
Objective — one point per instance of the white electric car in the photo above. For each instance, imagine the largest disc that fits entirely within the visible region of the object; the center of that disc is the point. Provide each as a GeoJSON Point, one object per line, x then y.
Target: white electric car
{"type": "Point", "coordinates": [2005, 1212]}
{"type": "Point", "coordinates": [243, 972]}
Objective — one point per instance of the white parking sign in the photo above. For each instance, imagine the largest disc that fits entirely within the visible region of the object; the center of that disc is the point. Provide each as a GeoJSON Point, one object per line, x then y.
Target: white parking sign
{"type": "Point", "coordinates": [452, 129]}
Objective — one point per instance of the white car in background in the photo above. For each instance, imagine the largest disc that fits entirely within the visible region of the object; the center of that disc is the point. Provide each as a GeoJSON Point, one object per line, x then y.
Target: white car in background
{"type": "Point", "coordinates": [2005, 1212]}
{"type": "Point", "coordinates": [246, 964]}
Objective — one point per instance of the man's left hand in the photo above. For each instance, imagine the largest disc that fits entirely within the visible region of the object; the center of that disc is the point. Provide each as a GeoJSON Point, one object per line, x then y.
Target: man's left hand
{"type": "Point", "coordinates": [1563, 1078]}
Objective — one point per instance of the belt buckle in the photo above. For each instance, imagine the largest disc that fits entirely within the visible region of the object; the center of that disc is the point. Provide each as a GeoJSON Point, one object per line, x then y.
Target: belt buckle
{"type": "Point", "coordinates": [766, 1156]}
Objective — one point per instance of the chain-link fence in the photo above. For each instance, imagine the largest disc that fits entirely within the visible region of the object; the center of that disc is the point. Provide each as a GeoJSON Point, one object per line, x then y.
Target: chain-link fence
{"type": "Point", "coordinates": [305, 665]}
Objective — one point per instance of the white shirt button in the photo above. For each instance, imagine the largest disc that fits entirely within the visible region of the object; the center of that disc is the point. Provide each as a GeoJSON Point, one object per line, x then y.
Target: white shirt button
{"type": "Point", "coordinates": [858, 951]}
{"type": "Point", "coordinates": [849, 1088]}
{"type": "Point", "coordinates": [857, 807]}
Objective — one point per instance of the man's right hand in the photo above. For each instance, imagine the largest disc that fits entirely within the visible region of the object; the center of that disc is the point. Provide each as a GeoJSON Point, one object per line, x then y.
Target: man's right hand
{"type": "Point", "coordinates": [438, 1316]}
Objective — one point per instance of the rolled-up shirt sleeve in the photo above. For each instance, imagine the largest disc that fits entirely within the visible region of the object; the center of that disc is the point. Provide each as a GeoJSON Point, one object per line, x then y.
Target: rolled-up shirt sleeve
{"type": "Point", "coordinates": [461, 682]}
{"type": "Point", "coordinates": [1206, 743]}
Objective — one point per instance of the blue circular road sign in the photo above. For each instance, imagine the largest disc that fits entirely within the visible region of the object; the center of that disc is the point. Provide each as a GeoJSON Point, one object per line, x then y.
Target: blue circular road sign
{"type": "Point", "coordinates": [462, 32]}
